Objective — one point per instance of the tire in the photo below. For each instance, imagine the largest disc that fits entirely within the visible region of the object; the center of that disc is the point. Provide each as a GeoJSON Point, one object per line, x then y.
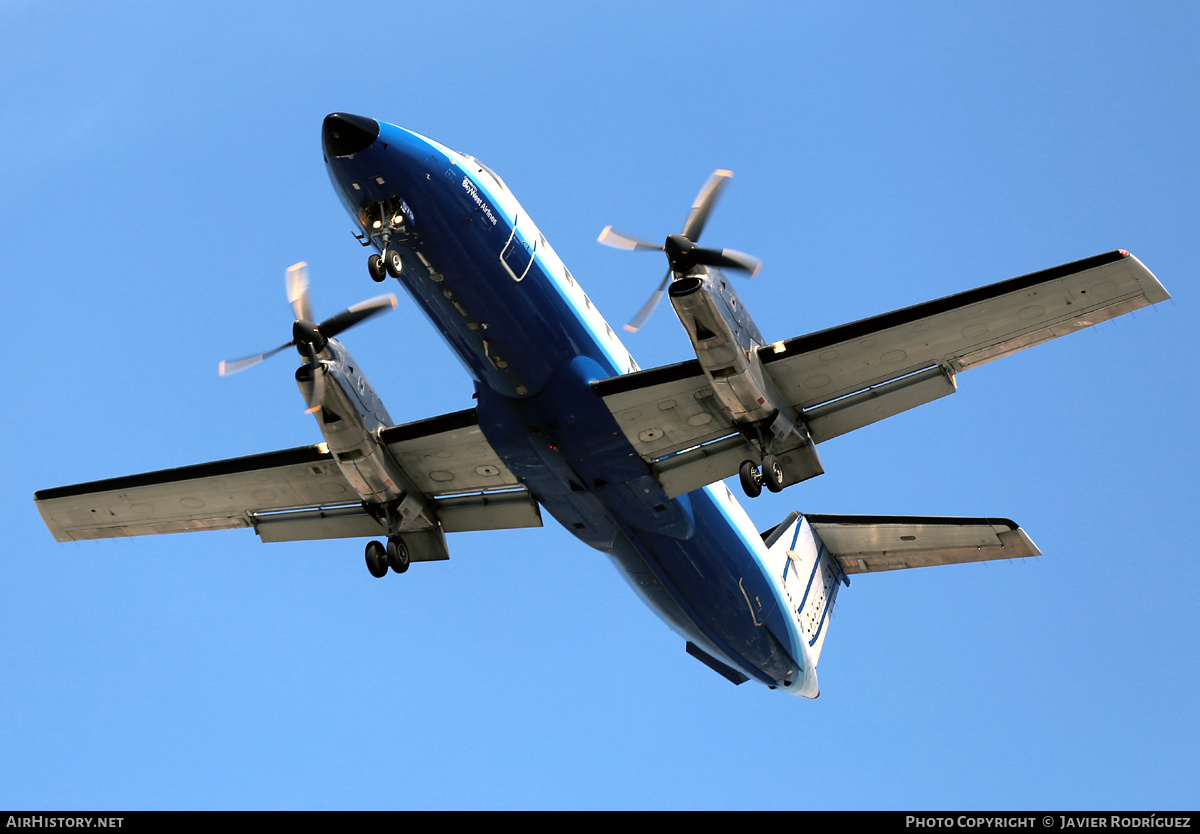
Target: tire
{"type": "Point", "coordinates": [376, 560]}
{"type": "Point", "coordinates": [773, 475]}
{"type": "Point", "coordinates": [376, 268]}
{"type": "Point", "coordinates": [397, 554]}
{"type": "Point", "coordinates": [751, 479]}
{"type": "Point", "coordinates": [392, 262]}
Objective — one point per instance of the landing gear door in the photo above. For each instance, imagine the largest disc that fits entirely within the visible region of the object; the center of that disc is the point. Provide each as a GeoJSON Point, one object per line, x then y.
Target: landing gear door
{"type": "Point", "coordinates": [517, 255]}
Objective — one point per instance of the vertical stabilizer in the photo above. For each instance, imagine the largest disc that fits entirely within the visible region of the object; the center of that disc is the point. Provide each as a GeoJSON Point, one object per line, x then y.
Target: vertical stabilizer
{"type": "Point", "coordinates": [811, 577]}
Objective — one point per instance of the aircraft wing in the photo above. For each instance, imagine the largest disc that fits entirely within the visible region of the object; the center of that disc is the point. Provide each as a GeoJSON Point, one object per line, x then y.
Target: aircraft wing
{"type": "Point", "coordinates": [296, 494]}
{"type": "Point", "coordinates": [856, 374]}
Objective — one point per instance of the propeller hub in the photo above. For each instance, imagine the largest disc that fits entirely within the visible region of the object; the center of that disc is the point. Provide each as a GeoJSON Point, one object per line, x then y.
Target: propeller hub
{"type": "Point", "coordinates": [306, 332]}
{"type": "Point", "coordinates": [680, 252]}
{"type": "Point", "coordinates": [308, 339]}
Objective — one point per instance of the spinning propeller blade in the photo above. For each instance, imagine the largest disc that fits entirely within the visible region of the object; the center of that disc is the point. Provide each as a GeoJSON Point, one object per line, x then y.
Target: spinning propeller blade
{"type": "Point", "coordinates": [232, 366]}
{"type": "Point", "coordinates": [304, 332]}
{"type": "Point", "coordinates": [705, 200]}
{"type": "Point", "coordinates": [644, 314]}
{"type": "Point", "coordinates": [619, 240]}
{"type": "Point", "coordinates": [351, 316]}
{"type": "Point", "coordinates": [681, 249]}
{"type": "Point", "coordinates": [297, 291]}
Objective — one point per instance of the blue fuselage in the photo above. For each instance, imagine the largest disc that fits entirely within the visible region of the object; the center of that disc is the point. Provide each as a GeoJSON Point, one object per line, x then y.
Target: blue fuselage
{"type": "Point", "coordinates": [533, 343]}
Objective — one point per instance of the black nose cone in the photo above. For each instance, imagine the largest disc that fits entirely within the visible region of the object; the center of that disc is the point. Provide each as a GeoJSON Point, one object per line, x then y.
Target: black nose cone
{"type": "Point", "coordinates": [344, 134]}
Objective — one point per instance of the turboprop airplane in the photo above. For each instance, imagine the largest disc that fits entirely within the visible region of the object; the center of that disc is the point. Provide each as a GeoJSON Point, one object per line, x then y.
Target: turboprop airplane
{"type": "Point", "coordinates": [629, 461]}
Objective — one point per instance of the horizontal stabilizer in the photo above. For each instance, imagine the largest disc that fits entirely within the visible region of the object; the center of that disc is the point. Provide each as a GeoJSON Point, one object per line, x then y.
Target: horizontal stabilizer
{"type": "Point", "coordinates": [871, 543]}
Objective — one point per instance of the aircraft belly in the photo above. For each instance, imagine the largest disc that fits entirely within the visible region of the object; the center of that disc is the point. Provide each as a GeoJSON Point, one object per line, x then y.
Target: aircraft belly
{"type": "Point", "coordinates": [682, 555]}
{"type": "Point", "coordinates": [725, 589]}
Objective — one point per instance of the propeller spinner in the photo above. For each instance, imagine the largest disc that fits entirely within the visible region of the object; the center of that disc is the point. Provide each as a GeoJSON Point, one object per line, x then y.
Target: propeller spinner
{"type": "Point", "coordinates": [682, 252]}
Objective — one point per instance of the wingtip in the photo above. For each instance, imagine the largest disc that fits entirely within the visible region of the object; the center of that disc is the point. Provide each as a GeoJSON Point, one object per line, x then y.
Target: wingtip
{"type": "Point", "coordinates": [631, 328]}
{"type": "Point", "coordinates": [603, 234]}
{"type": "Point", "coordinates": [723, 172]}
{"type": "Point", "coordinates": [221, 369]}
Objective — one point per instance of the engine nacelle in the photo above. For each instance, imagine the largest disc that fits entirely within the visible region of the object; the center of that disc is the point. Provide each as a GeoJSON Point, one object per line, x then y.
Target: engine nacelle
{"type": "Point", "coordinates": [726, 342]}
{"type": "Point", "coordinates": [351, 416]}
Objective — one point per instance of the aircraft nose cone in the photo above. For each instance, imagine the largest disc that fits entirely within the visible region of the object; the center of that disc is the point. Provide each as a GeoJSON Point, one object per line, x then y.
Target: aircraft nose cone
{"type": "Point", "coordinates": [344, 134]}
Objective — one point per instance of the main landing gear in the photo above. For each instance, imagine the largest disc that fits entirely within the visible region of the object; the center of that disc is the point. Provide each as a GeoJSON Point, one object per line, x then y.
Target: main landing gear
{"type": "Point", "coordinates": [381, 266]}
{"type": "Point", "coordinates": [753, 478]}
{"type": "Point", "coordinates": [380, 558]}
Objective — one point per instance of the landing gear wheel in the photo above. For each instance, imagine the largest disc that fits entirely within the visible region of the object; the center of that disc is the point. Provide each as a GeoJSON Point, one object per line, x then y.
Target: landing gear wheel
{"type": "Point", "coordinates": [376, 268]}
{"type": "Point", "coordinates": [751, 479]}
{"type": "Point", "coordinates": [397, 554]}
{"type": "Point", "coordinates": [376, 560]}
{"type": "Point", "coordinates": [772, 475]}
{"type": "Point", "coordinates": [392, 262]}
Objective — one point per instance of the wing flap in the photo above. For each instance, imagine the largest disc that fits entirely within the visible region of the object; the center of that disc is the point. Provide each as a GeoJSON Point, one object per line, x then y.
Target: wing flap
{"type": "Point", "coordinates": [868, 544]}
{"type": "Point", "coordinates": [874, 404]}
{"type": "Point", "coordinates": [504, 510]}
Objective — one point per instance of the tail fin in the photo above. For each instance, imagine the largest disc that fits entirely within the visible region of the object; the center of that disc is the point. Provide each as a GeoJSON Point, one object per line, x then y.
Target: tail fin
{"type": "Point", "coordinates": [811, 578]}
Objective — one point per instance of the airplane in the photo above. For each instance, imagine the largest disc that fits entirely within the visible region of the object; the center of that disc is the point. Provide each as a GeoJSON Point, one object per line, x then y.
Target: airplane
{"type": "Point", "coordinates": [631, 462]}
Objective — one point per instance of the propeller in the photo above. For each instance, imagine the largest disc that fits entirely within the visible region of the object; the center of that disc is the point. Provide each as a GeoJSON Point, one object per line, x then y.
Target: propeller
{"type": "Point", "coordinates": [309, 337]}
{"type": "Point", "coordinates": [682, 252]}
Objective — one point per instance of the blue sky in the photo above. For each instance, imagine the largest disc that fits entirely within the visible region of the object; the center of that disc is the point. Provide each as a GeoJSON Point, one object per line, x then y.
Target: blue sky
{"type": "Point", "coordinates": [162, 168]}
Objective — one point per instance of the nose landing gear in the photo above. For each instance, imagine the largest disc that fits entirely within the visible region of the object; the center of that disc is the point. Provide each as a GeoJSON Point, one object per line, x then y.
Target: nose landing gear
{"type": "Point", "coordinates": [381, 266]}
{"type": "Point", "coordinates": [376, 268]}
{"type": "Point", "coordinates": [392, 262]}
{"type": "Point", "coordinates": [380, 222]}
